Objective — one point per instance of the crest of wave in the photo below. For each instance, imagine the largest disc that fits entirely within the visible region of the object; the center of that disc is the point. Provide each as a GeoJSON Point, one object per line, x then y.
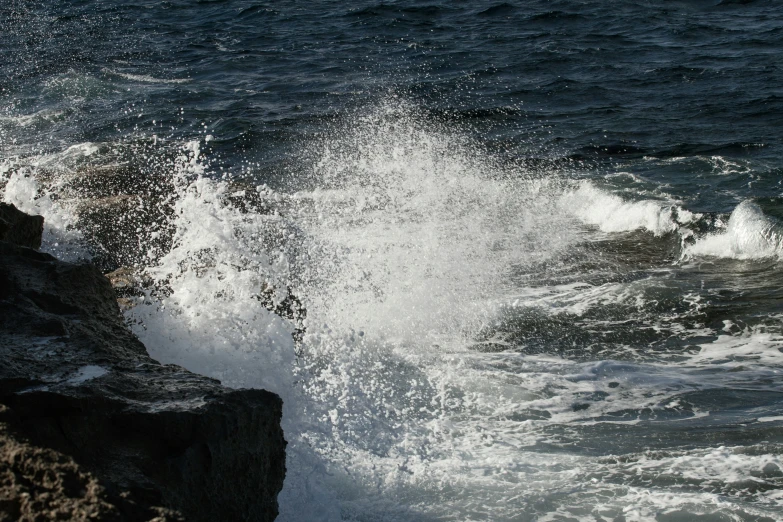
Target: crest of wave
{"type": "Point", "coordinates": [408, 234]}
{"type": "Point", "coordinates": [749, 234]}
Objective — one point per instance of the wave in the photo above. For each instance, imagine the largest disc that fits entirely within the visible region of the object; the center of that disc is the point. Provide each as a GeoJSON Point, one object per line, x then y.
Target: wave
{"type": "Point", "coordinates": [209, 315]}
{"type": "Point", "coordinates": [749, 234]}
{"type": "Point", "coordinates": [424, 11]}
{"type": "Point", "coordinates": [612, 150]}
{"type": "Point", "coordinates": [24, 186]}
{"type": "Point", "coordinates": [27, 120]}
{"type": "Point", "coordinates": [146, 78]}
{"type": "Point", "coordinates": [680, 150]}
{"type": "Point", "coordinates": [554, 16]}
{"type": "Point", "coordinates": [498, 9]}
{"type": "Point", "coordinates": [708, 149]}
{"type": "Point", "coordinates": [255, 10]}
{"type": "Point", "coordinates": [611, 213]}
{"type": "Point", "coordinates": [425, 225]}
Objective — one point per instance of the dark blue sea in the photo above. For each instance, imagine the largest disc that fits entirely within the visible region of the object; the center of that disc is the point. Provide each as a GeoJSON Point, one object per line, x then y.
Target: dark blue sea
{"type": "Point", "coordinates": [537, 245]}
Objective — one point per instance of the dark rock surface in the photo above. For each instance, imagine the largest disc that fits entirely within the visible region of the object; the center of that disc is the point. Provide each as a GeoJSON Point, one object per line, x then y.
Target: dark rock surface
{"type": "Point", "coordinates": [38, 484]}
{"type": "Point", "coordinates": [20, 228]}
{"type": "Point", "coordinates": [79, 384]}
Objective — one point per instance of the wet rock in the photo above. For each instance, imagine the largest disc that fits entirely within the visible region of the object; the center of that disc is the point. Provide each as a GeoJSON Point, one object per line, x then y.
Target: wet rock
{"type": "Point", "coordinates": [129, 285]}
{"type": "Point", "coordinates": [78, 383]}
{"type": "Point", "coordinates": [289, 307]}
{"type": "Point", "coordinates": [19, 228]}
{"type": "Point", "coordinates": [39, 484]}
{"type": "Point", "coordinates": [124, 281]}
{"type": "Point", "coordinates": [123, 229]}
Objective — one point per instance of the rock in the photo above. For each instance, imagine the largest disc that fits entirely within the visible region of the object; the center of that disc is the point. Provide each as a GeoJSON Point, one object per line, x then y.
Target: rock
{"type": "Point", "coordinates": [19, 228]}
{"type": "Point", "coordinates": [289, 307]}
{"type": "Point", "coordinates": [129, 286]}
{"type": "Point", "coordinates": [122, 229]}
{"type": "Point", "coordinates": [124, 281]}
{"type": "Point", "coordinates": [80, 386]}
{"type": "Point", "coordinates": [42, 484]}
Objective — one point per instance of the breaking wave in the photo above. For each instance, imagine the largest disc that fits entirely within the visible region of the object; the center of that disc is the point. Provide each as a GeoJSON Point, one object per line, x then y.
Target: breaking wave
{"type": "Point", "coordinates": [402, 238]}
{"type": "Point", "coordinates": [612, 213]}
{"type": "Point", "coordinates": [749, 234]}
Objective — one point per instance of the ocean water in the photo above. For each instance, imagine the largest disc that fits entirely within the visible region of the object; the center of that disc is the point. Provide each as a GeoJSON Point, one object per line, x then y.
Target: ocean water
{"type": "Point", "coordinates": [538, 243]}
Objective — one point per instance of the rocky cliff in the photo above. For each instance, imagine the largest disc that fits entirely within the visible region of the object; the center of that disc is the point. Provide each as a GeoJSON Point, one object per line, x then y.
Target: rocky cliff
{"type": "Point", "coordinates": [92, 428]}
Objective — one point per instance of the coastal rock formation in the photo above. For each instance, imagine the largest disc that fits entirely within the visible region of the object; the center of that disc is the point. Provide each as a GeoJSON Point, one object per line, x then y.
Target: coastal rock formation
{"type": "Point", "coordinates": [85, 407]}
{"type": "Point", "coordinates": [42, 484]}
{"type": "Point", "coordinates": [19, 228]}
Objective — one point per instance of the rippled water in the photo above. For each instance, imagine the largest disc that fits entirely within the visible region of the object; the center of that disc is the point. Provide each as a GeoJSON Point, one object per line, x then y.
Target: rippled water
{"type": "Point", "coordinates": [538, 244]}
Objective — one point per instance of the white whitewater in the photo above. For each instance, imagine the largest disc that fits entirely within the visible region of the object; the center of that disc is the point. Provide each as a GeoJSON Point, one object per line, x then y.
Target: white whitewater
{"type": "Point", "coordinates": [749, 234]}
{"type": "Point", "coordinates": [402, 251]}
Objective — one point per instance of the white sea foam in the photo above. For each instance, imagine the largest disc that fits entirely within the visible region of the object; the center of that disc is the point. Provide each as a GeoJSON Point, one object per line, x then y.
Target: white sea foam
{"type": "Point", "coordinates": [409, 245]}
{"type": "Point", "coordinates": [755, 346]}
{"type": "Point", "coordinates": [146, 78]}
{"type": "Point", "coordinates": [27, 120]}
{"type": "Point", "coordinates": [416, 230]}
{"type": "Point", "coordinates": [611, 213]}
{"type": "Point", "coordinates": [750, 234]}
{"type": "Point", "coordinates": [402, 252]}
{"type": "Point", "coordinates": [34, 184]}
{"type": "Point", "coordinates": [712, 468]}
{"type": "Point", "coordinates": [211, 319]}
{"type": "Point", "coordinates": [60, 238]}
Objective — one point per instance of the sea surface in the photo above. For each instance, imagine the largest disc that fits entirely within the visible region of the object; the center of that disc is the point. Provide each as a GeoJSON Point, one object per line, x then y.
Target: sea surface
{"type": "Point", "coordinates": [537, 245]}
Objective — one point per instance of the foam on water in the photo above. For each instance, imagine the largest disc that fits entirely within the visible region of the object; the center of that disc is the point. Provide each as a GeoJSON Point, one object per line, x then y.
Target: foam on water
{"type": "Point", "coordinates": [611, 213]}
{"type": "Point", "coordinates": [146, 78]}
{"type": "Point", "coordinates": [413, 231]}
{"type": "Point", "coordinates": [208, 315]}
{"type": "Point", "coordinates": [750, 234]}
{"type": "Point", "coordinates": [401, 250]}
{"type": "Point", "coordinates": [412, 235]}
{"type": "Point", "coordinates": [36, 118]}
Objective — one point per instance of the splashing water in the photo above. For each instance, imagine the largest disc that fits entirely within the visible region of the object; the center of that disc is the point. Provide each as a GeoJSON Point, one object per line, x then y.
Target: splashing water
{"type": "Point", "coordinates": [406, 247]}
{"type": "Point", "coordinates": [750, 234]}
{"type": "Point", "coordinates": [413, 231]}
